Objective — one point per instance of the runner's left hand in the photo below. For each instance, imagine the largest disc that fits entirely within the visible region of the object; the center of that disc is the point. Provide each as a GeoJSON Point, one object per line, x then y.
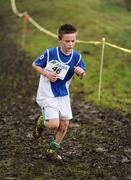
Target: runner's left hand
{"type": "Point", "coordinates": [79, 71]}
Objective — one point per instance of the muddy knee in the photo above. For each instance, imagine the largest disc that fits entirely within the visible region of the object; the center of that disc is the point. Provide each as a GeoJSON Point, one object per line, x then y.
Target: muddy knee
{"type": "Point", "coordinates": [64, 125]}
{"type": "Point", "coordinates": [53, 124]}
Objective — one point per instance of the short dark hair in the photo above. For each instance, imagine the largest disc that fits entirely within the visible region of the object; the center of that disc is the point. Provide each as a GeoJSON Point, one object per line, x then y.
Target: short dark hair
{"type": "Point", "coordinates": [66, 29]}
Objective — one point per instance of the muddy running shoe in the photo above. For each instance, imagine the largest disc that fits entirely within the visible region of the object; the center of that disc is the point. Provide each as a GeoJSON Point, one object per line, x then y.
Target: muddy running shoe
{"type": "Point", "coordinates": [52, 155]}
{"type": "Point", "coordinates": [39, 125]}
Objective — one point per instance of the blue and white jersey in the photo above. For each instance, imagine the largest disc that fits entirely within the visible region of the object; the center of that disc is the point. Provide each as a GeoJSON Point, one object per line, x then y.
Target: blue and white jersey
{"type": "Point", "coordinates": [59, 87]}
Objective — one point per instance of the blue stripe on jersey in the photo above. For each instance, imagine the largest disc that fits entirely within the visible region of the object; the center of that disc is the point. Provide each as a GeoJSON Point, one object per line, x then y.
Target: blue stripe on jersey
{"type": "Point", "coordinates": [59, 88]}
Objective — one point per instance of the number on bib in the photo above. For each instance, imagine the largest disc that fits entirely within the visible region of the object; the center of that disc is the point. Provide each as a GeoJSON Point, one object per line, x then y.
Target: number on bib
{"type": "Point", "coordinates": [57, 69]}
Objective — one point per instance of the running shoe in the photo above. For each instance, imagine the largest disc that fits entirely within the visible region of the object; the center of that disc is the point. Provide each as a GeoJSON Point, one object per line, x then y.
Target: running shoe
{"type": "Point", "coordinates": [39, 124]}
{"type": "Point", "coordinates": [52, 155]}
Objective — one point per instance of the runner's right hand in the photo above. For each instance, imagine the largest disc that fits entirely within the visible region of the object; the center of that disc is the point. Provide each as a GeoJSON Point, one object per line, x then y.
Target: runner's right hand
{"type": "Point", "coordinates": [52, 76]}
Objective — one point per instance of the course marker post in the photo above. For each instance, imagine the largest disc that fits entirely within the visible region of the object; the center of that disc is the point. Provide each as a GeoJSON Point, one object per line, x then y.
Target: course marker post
{"type": "Point", "coordinates": [101, 69]}
{"type": "Point", "coordinates": [24, 29]}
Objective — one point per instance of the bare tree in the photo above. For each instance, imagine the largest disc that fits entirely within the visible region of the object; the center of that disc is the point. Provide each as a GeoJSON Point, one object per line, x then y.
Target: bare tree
{"type": "Point", "coordinates": [128, 4]}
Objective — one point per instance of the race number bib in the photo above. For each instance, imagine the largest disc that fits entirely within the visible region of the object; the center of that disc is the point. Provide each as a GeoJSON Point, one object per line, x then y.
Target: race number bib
{"type": "Point", "coordinates": [59, 68]}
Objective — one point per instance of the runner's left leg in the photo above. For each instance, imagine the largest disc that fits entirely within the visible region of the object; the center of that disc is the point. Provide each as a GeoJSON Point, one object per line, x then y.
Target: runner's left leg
{"type": "Point", "coordinates": [61, 132]}
{"type": "Point", "coordinates": [55, 145]}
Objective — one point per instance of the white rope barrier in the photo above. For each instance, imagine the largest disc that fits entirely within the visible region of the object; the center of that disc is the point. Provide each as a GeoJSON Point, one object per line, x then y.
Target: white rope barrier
{"type": "Point", "coordinates": [41, 28]}
{"type": "Point", "coordinates": [31, 20]}
{"type": "Point", "coordinates": [117, 47]}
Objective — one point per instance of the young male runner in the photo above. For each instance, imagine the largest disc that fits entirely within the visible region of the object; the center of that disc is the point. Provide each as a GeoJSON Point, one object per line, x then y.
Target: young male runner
{"type": "Point", "coordinates": [57, 67]}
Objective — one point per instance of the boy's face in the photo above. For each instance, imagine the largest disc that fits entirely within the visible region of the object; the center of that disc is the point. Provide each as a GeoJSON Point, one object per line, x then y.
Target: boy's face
{"type": "Point", "coordinates": [67, 42]}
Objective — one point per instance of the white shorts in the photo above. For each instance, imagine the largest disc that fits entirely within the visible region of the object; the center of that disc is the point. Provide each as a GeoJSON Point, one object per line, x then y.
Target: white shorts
{"type": "Point", "coordinates": [56, 107]}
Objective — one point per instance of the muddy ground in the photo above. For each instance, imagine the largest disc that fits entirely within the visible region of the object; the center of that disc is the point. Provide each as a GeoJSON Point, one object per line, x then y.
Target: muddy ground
{"type": "Point", "coordinates": [96, 147]}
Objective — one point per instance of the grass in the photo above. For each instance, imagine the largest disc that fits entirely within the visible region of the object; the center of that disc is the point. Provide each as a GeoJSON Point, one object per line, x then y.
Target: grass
{"type": "Point", "coordinates": [94, 19]}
